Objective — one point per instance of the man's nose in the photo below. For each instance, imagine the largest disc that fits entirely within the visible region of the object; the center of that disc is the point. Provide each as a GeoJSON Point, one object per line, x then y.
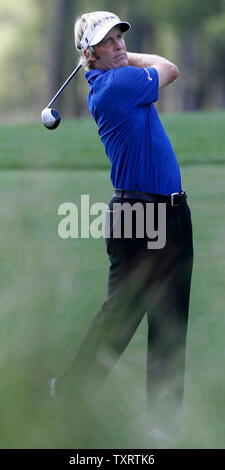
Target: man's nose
{"type": "Point", "coordinates": [118, 43]}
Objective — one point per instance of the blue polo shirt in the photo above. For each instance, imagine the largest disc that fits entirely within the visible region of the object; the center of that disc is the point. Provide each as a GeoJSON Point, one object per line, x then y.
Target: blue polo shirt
{"type": "Point", "coordinates": [121, 102]}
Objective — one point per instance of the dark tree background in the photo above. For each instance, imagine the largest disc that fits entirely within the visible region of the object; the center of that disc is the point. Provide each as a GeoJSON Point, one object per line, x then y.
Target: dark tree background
{"type": "Point", "coordinates": [37, 51]}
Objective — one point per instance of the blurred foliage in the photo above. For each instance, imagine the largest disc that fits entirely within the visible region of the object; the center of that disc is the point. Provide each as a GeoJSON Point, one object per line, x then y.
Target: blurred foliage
{"type": "Point", "coordinates": [214, 30]}
{"type": "Point", "coordinates": [186, 15]}
{"type": "Point", "coordinates": [173, 29]}
{"type": "Point", "coordinates": [20, 54]}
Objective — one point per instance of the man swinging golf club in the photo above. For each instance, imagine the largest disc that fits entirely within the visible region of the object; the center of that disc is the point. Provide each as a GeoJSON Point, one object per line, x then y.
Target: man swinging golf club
{"type": "Point", "coordinates": [122, 89]}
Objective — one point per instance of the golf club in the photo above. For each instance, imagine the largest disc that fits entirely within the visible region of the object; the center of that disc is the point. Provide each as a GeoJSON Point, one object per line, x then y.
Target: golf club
{"type": "Point", "coordinates": [50, 117]}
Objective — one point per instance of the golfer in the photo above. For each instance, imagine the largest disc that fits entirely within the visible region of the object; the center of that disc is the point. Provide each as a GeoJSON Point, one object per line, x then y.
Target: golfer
{"type": "Point", "coordinates": [155, 281]}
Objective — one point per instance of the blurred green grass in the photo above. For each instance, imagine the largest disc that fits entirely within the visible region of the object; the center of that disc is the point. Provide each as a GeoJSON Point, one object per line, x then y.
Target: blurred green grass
{"type": "Point", "coordinates": [197, 138]}
{"type": "Point", "coordinates": [50, 289]}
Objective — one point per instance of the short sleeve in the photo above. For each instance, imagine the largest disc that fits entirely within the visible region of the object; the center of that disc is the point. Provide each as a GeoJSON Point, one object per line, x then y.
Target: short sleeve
{"type": "Point", "coordinates": [134, 86]}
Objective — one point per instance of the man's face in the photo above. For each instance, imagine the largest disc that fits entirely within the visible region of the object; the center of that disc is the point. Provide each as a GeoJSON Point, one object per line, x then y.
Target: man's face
{"type": "Point", "coordinates": [111, 53]}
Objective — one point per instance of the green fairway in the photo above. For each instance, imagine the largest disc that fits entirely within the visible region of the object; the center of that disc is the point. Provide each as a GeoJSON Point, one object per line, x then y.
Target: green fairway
{"type": "Point", "coordinates": [50, 288]}
{"type": "Point", "coordinates": [197, 138]}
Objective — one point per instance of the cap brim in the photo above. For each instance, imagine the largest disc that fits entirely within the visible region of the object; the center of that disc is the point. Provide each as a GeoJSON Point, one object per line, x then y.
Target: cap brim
{"type": "Point", "coordinates": [105, 30]}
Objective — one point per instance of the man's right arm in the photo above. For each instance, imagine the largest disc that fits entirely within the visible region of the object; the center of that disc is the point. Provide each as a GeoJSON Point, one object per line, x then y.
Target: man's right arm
{"type": "Point", "coordinates": [167, 71]}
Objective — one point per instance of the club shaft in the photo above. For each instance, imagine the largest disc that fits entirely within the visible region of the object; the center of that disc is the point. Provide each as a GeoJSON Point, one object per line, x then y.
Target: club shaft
{"type": "Point", "coordinates": [64, 85]}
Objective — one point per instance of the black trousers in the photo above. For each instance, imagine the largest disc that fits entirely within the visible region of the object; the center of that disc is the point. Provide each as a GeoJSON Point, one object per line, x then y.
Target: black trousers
{"type": "Point", "coordinates": [143, 281]}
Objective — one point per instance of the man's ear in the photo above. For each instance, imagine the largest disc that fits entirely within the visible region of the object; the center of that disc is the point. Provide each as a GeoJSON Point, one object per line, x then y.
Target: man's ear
{"type": "Point", "coordinates": [89, 54]}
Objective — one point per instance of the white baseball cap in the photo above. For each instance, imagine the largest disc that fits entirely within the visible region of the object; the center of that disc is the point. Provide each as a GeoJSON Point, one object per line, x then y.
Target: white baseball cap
{"type": "Point", "coordinates": [94, 33]}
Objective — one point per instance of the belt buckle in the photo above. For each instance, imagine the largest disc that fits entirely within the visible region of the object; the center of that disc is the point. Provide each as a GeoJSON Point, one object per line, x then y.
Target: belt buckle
{"type": "Point", "coordinates": [172, 199]}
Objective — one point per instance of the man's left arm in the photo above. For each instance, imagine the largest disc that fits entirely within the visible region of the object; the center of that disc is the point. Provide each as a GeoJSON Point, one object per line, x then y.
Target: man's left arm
{"type": "Point", "coordinates": [167, 71]}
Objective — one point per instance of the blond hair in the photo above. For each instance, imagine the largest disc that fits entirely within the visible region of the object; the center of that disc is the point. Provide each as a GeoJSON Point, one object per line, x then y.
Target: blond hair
{"type": "Point", "coordinates": [81, 23]}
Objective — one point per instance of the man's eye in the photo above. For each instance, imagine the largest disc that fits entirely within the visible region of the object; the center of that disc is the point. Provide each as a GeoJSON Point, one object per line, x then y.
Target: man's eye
{"type": "Point", "coordinates": [106, 41]}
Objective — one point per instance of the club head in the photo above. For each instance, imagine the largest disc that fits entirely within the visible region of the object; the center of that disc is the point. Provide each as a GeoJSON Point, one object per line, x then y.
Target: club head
{"type": "Point", "coordinates": [50, 118]}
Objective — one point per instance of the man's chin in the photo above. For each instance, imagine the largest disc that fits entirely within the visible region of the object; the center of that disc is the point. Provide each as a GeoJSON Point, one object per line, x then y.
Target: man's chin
{"type": "Point", "coordinates": [123, 62]}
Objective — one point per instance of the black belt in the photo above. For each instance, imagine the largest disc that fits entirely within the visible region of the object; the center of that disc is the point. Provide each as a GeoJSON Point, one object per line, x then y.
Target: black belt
{"type": "Point", "coordinates": [174, 199]}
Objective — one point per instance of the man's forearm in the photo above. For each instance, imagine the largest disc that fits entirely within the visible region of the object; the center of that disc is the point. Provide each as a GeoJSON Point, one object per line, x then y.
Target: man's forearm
{"type": "Point", "coordinates": [145, 60]}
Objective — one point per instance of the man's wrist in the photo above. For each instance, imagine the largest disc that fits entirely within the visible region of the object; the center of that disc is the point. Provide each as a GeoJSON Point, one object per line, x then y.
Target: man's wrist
{"type": "Point", "coordinates": [135, 59]}
{"type": "Point", "coordinates": [141, 60]}
{"type": "Point", "coordinates": [145, 60]}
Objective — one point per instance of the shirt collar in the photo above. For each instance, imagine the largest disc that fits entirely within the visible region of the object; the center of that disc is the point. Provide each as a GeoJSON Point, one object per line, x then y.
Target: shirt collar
{"type": "Point", "coordinates": [93, 73]}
